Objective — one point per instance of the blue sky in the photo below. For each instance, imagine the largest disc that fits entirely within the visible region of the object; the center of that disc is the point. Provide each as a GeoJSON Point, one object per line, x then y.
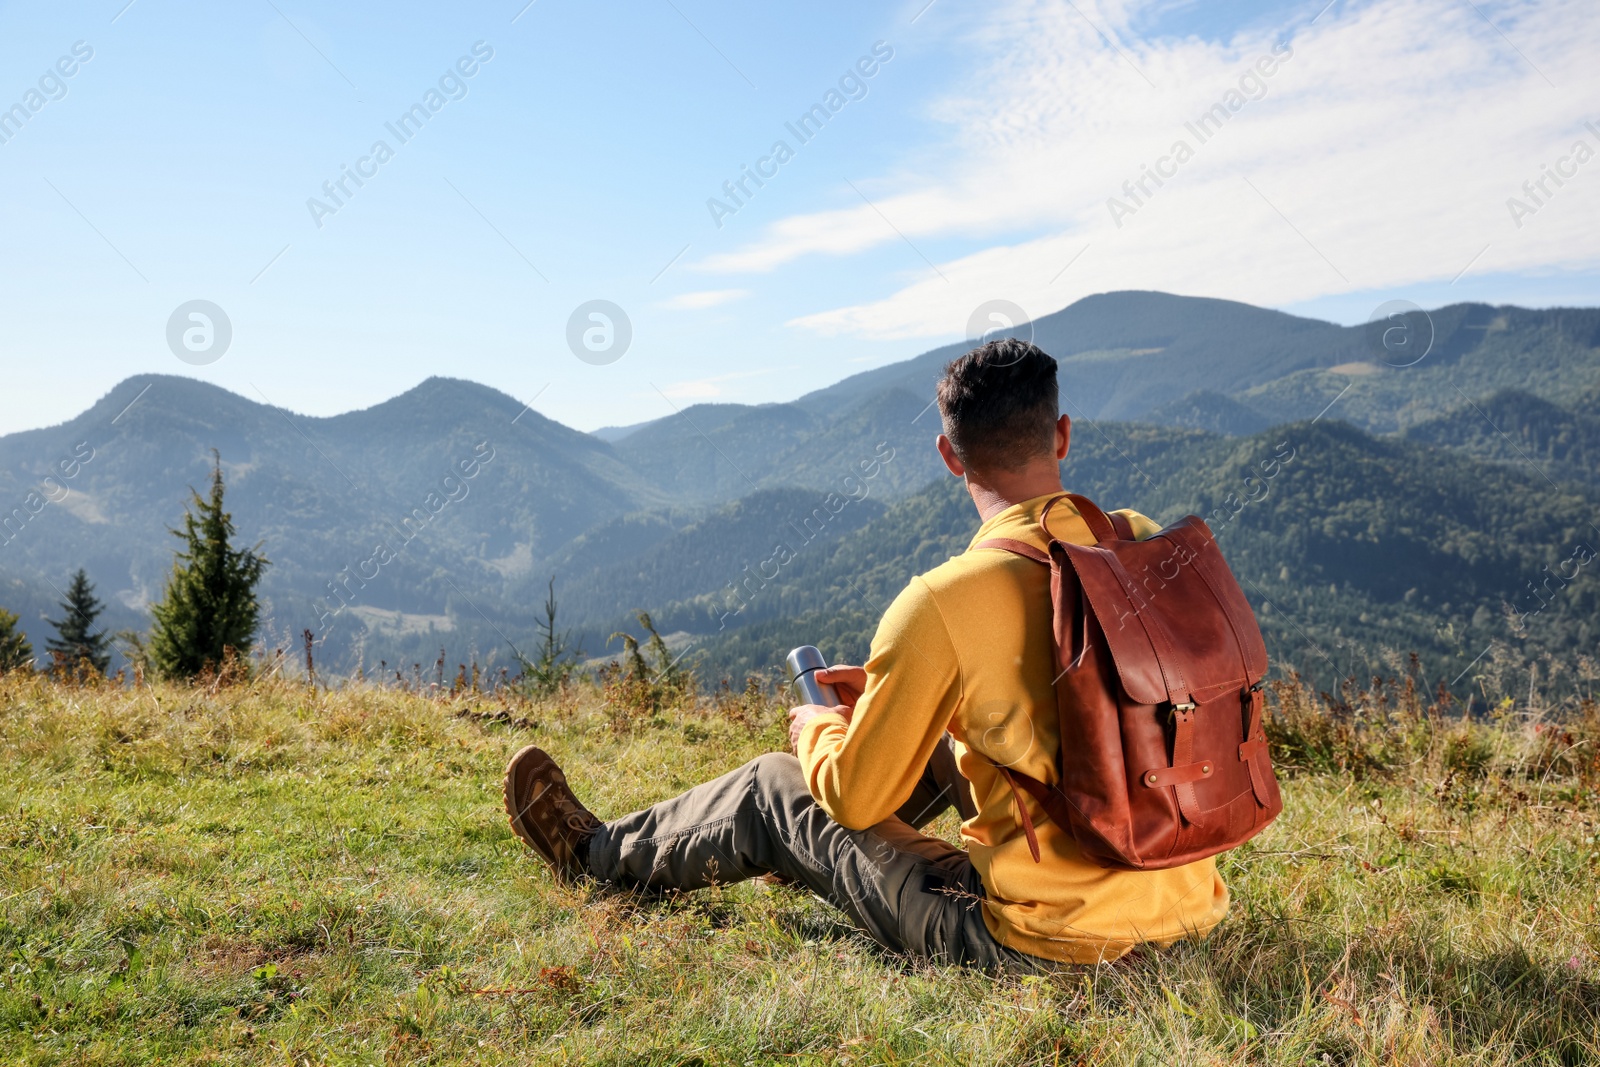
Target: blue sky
{"type": "Point", "coordinates": [976, 163]}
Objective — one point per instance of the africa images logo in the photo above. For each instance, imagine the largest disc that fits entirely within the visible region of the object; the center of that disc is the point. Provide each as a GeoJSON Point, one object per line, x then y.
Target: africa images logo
{"type": "Point", "coordinates": [452, 85]}
{"type": "Point", "coordinates": [599, 332]}
{"type": "Point", "coordinates": [199, 332]}
{"type": "Point", "coordinates": [52, 85]}
{"type": "Point", "coordinates": [852, 85]}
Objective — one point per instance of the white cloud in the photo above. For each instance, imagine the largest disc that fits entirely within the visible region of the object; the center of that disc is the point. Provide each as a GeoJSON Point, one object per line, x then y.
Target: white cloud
{"type": "Point", "coordinates": [701, 389]}
{"type": "Point", "coordinates": [709, 388]}
{"type": "Point", "coordinates": [1381, 154]}
{"type": "Point", "coordinates": [706, 298]}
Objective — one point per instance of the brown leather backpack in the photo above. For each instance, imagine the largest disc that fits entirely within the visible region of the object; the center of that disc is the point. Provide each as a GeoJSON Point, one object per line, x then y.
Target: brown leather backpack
{"type": "Point", "coordinates": [1163, 760]}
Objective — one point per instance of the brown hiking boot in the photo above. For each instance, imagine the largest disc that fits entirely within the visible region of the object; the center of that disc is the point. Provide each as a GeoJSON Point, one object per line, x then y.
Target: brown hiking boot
{"type": "Point", "coordinates": [545, 814]}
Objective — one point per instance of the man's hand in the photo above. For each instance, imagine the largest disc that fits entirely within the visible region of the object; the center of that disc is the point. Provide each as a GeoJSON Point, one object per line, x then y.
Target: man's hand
{"type": "Point", "coordinates": [798, 717]}
{"type": "Point", "coordinates": [848, 682]}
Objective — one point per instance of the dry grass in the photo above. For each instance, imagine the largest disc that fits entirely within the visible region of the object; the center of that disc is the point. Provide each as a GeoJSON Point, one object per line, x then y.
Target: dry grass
{"type": "Point", "coordinates": [264, 875]}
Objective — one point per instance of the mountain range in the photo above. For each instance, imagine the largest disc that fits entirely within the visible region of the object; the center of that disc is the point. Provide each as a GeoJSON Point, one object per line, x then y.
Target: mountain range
{"type": "Point", "coordinates": [1424, 493]}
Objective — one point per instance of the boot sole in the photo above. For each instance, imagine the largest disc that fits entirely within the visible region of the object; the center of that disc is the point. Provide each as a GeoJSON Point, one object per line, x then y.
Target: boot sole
{"type": "Point", "coordinates": [521, 766]}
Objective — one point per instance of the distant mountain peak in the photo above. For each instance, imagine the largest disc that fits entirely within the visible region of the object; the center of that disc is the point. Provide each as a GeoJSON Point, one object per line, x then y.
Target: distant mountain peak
{"type": "Point", "coordinates": [436, 388]}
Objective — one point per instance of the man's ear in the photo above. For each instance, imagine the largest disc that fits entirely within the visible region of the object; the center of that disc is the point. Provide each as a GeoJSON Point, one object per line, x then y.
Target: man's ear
{"type": "Point", "coordinates": [1063, 436]}
{"type": "Point", "coordinates": [947, 452]}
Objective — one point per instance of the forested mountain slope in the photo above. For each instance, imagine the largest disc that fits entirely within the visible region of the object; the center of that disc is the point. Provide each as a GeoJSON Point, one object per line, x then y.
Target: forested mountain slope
{"type": "Point", "coordinates": [1355, 550]}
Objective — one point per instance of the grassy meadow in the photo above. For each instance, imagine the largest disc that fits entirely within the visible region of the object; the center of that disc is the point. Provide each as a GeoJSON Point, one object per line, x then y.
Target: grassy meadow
{"type": "Point", "coordinates": [267, 874]}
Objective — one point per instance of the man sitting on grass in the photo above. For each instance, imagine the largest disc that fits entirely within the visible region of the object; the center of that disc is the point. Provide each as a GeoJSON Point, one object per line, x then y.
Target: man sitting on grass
{"type": "Point", "coordinates": [964, 653]}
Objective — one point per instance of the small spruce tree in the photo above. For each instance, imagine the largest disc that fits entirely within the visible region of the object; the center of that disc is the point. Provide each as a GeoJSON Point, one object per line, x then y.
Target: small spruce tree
{"type": "Point", "coordinates": [209, 610]}
{"type": "Point", "coordinates": [16, 653]}
{"type": "Point", "coordinates": [557, 659]}
{"type": "Point", "coordinates": [77, 641]}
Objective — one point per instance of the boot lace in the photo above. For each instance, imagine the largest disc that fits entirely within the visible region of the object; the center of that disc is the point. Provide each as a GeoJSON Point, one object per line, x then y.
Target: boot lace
{"type": "Point", "coordinates": [576, 817]}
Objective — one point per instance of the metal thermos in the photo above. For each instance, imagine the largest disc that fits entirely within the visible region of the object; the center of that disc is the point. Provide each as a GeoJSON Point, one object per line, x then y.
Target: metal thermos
{"type": "Point", "coordinates": [804, 662]}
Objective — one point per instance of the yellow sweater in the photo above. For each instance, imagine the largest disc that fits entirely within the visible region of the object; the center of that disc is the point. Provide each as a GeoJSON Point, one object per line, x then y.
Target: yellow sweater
{"type": "Point", "coordinates": [966, 648]}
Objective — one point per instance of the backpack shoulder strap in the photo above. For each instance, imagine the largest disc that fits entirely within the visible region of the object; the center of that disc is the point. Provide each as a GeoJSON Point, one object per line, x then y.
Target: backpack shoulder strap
{"type": "Point", "coordinates": [1050, 798]}
{"type": "Point", "coordinates": [1021, 548]}
{"type": "Point", "coordinates": [1104, 527]}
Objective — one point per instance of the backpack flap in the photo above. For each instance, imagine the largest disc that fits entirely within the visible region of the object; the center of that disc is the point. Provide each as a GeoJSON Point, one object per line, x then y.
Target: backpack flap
{"type": "Point", "coordinates": [1145, 594]}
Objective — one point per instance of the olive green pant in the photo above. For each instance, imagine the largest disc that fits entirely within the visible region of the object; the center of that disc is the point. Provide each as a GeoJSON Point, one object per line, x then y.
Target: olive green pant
{"type": "Point", "coordinates": [911, 893]}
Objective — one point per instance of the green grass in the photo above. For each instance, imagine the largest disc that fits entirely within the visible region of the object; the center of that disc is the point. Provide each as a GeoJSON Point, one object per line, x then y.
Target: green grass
{"type": "Point", "coordinates": [267, 876]}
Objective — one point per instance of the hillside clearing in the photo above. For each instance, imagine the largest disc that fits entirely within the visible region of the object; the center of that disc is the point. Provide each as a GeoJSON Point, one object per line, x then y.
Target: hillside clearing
{"type": "Point", "coordinates": [270, 876]}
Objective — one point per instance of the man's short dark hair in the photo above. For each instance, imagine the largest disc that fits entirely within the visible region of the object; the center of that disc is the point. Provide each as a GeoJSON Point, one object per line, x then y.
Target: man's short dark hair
{"type": "Point", "coordinates": [1000, 404]}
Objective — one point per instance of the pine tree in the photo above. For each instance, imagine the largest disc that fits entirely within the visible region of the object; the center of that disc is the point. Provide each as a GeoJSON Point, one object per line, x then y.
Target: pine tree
{"type": "Point", "coordinates": [209, 610]}
{"type": "Point", "coordinates": [15, 652]}
{"type": "Point", "coordinates": [76, 641]}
